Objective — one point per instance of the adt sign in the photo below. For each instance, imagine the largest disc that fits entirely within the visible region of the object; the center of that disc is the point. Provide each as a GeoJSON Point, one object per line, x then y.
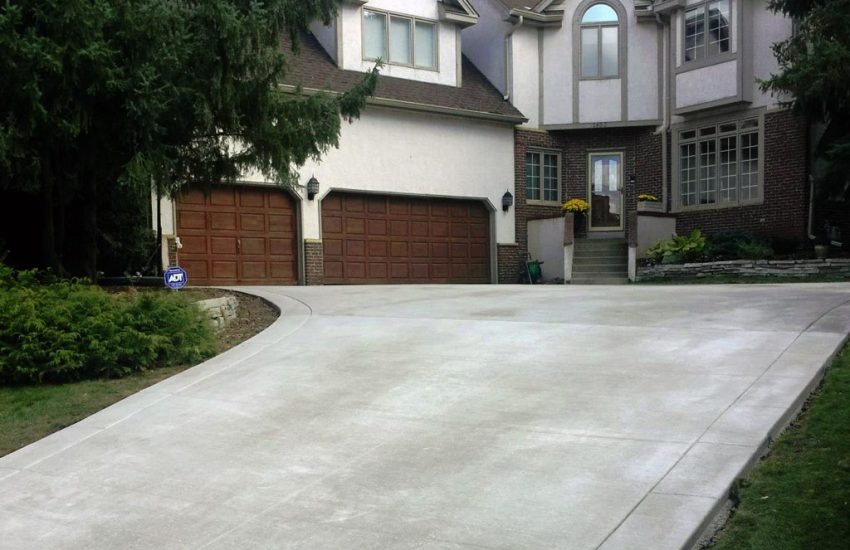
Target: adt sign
{"type": "Point", "coordinates": [175, 278]}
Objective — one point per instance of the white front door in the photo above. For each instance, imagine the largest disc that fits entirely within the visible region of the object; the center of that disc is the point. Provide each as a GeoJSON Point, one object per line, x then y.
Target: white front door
{"type": "Point", "coordinates": [605, 189]}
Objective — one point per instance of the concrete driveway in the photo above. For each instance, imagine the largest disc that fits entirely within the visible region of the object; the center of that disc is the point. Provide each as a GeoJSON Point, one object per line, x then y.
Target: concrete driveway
{"type": "Point", "coordinates": [441, 417]}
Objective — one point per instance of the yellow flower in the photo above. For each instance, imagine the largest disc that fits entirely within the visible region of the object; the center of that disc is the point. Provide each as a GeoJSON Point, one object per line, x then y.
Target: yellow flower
{"type": "Point", "coordinates": [648, 198]}
{"type": "Point", "coordinates": [576, 206]}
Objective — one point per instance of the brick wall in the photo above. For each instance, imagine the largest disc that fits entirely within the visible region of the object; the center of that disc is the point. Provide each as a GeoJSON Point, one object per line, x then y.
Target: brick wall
{"type": "Point", "coordinates": [783, 214]}
{"type": "Point", "coordinates": [642, 158]}
{"type": "Point", "coordinates": [508, 263]}
{"type": "Point", "coordinates": [314, 264]}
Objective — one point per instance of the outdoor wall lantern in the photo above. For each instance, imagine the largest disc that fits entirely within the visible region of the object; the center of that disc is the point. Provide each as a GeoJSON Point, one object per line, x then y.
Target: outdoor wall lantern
{"type": "Point", "coordinates": [507, 201]}
{"type": "Point", "coordinates": [312, 188]}
{"type": "Point", "coordinates": [632, 180]}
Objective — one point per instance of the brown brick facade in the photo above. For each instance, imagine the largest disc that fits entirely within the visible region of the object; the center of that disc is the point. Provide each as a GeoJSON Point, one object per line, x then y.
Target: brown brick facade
{"type": "Point", "coordinates": [641, 148]}
{"type": "Point", "coordinates": [784, 212]}
{"type": "Point", "coordinates": [314, 265]}
{"type": "Point", "coordinates": [508, 260]}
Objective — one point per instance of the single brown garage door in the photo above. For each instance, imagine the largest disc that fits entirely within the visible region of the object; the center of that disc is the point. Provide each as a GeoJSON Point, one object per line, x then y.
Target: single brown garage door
{"type": "Point", "coordinates": [238, 235]}
{"type": "Point", "coordinates": [375, 239]}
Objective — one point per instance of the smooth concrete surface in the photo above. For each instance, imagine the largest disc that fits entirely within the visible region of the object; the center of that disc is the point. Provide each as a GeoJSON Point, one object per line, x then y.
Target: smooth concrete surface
{"type": "Point", "coordinates": [442, 417]}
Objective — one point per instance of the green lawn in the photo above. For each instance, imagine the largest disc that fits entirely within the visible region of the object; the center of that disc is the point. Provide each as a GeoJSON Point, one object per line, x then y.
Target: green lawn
{"type": "Point", "coordinates": [799, 496]}
{"type": "Point", "coordinates": [28, 413]}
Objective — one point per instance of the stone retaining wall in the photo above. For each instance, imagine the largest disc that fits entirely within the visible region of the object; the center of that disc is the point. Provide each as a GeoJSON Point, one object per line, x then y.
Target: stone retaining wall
{"type": "Point", "coordinates": [220, 310]}
{"type": "Point", "coordinates": [749, 268]}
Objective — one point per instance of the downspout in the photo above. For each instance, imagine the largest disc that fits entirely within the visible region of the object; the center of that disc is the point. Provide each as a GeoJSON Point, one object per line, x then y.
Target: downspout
{"type": "Point", "coordinates": [509, 64]}
{"type": "Point", "coordinates": [665, 101]}
{"type": "Point", "coordinates": [812, 236]}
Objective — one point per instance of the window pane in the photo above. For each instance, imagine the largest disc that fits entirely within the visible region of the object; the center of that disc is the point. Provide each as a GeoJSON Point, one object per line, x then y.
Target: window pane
{"type": "Point", "coordinates": [718, 27]}
{"type": "Point", "coordinates": [374, 35]}
{"type": "Point", "coordinates": [590, 52]}
{"type": "Point", "coordinates": [708, 172]}
{"type": "Point", "coordinates": [532, 176]}
{"type": "Point", "coordinates": [400, 39]}
{"type": "Point", "coordinates": [728, 169]}
{"type": "Point", "coordinates": [688, 173]}
{"type": "Point", "coordinates": [550, 177]}
{"type": "Point", "coordinates": [600, 13]}
{"type": "Point", "coordinates": [426, 45]}
{"type": "Point", "coordinates": [749, 166]}
{"type": "Point", "coordinates": [695, 34]}
{"type": "Point", "coordinates": [610, 53]}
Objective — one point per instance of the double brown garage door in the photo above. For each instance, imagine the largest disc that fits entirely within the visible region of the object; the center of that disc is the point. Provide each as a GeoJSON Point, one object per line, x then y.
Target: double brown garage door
{"type": "Point", "coordinates": [375, 239]}
{"type": "Point", "coordinates": [238, 235]}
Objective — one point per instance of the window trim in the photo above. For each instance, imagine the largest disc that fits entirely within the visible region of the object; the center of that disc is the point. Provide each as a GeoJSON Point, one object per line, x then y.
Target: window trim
{"type": "Point", "coordinates": [717, 121]}
{"type": "Point", "coordinates": [598, 27]}
{"type": "Point", "coordinates": [708, 59]}
{"type": "Point", "coordinates": [540, 151]}
{"type": "Point", "coordinates": [413, 20]}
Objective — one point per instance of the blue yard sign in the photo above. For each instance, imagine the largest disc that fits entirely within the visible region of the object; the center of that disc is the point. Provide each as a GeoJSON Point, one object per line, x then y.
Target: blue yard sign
{"type": "Point", "coordinates": [175, 278]}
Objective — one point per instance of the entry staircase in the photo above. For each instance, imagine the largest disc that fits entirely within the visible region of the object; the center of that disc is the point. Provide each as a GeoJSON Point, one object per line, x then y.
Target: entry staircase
{"type": "Point", "coordinates": [600, 262]}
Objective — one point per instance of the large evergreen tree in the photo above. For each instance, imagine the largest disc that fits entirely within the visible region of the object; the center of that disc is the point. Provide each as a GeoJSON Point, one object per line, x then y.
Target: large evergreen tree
{"type": "Point", "coordinates": [815, 73]}
{"type": "Point", "coordinates": [103, 94]}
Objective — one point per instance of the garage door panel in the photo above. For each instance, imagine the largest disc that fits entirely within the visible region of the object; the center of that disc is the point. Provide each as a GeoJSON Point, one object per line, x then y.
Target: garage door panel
{"type": "Point", "coordinates": [238, 234]}
{"type": "Point", "coordinates": [223, 197]}
{"type": "Point", "coordinates": [222, 221]}
{"type": "Point", "coordinates": [404, 240]}
{"type": "Point", "coordinates": [192, 220]}
{"type": "Point", "coordinates": [221, 245]}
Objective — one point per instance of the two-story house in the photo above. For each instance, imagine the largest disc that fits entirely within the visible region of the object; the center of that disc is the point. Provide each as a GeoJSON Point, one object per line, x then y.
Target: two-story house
{"type": "Point", "coordinates": [630, 97]}
{"type": "Point", "coordinates": [415, 191]}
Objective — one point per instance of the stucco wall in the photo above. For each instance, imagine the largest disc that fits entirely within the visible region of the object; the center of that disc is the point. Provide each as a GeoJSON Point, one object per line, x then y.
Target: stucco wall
{"type": "Point", "coordinates": [327, 37]}
{"type": "Point", "coordinates": [525, 89]}
{"type": "Point", "coordinates": [447, 52]}
{"type": "Point", "coordinates": [546, 243]}
{"type": "Point", "coordinates": [484, 42]}
{"type": "Point", "coordinates": [394, 151]}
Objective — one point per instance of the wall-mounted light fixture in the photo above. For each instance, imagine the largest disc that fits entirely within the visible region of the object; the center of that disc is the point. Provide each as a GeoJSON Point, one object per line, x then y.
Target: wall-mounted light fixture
{"type": "Point", "coordinates": [632, 180]}
{"type": "Point", "coordinates": [507, 201]}
{"type": "Point", "coordinates": [312, 188]}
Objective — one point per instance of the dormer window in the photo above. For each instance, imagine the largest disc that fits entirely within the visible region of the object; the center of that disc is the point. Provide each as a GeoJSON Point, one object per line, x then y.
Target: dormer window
{"type": "Point", "coordinates": [707, 30]}
{"type": "Point", "coordinates": [399, 40]}
{"type": "Point", "coordinates": [600, 52]}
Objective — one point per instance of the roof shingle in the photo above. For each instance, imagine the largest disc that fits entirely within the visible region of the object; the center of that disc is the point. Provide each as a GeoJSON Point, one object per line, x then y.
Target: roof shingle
{"type": "Point", "coordinates": [313, 68]}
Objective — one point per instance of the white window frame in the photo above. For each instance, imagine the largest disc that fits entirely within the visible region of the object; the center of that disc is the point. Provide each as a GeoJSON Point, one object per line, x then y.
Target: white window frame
{"type": "Point", "coordinates": [709, 180]}
{"type": "Point", "coordinates": [541, 155]}
{"type": "Point", "coordinates": [388, 16]}
{"type": "Point", "coordinates": [708, 56]}
{"type": "Point", "coordinates": [598, 28]}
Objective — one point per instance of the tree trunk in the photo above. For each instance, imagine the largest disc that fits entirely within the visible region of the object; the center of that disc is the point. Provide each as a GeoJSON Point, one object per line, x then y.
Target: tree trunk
{"type": "Point", "coordinates": [49, 258]}
{"type": "Point", "coordinates": [89, 227]}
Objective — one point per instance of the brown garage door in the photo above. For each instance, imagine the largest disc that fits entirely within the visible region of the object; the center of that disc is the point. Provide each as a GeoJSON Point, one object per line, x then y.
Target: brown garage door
{"type": "Point", "coordinates": [387, 239]}
{"type": "Point", "coordinates": [238, 235]}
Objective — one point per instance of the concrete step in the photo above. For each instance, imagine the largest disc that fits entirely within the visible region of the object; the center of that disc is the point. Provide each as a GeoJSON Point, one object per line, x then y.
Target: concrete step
{"type": "Point", "coordinates": [599, 280]}
{"type": "Point", "coordinates": [601, 273]}
{"type": "Point", "coordinates": [601, 253]}
{"type": "Point", "coordinates": [605, 246]}
{"type": "Point", "coordinates": [620, 259]}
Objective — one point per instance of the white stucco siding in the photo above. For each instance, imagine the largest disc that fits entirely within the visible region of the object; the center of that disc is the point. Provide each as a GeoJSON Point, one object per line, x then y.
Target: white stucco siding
{"type": "Point", "coordinates": [767, 29]}
{"type": "Point", "coordinates": [707, 84]}
{"type": "Point", "coordinates": [484, 42]}
{"type": "Point", "coordinates": [447, 51]}
{"type": "Point", "coordinates": [600, 100]}
{"type": "Point", "coordinates": [558, 75]}
{"type": "Point", "coordinates": [392, 151]}
{"type": "Point", "coordinates": [643, 71]}
{"type": "Point", "coordinates": [525, 89]}
{"type": "Point", "coordinates": [326, 35]}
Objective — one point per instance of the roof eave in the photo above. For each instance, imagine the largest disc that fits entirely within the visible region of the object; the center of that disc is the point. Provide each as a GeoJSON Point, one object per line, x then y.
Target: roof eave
{"type": "Point", "coordinates": [534, 19]}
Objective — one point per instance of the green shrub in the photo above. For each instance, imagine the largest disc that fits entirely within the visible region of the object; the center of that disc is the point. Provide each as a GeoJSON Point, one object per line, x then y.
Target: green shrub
{"type": "Point", "coordinates": [681, 248]}
{"type": "Point", "coordinates": [60, 331]}
{"type": "Point", "coordinates": [738, 246]}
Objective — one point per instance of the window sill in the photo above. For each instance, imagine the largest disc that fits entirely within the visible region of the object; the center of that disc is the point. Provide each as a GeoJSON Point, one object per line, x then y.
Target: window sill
{"type": "Point", "coordinates": [594, 78]}
{"type": "Point", "coordinates": [531, 202]}
{"type": "Point", "coordinates": [678, 209]}
{"type": "Point", "coordinates": [688, 66]}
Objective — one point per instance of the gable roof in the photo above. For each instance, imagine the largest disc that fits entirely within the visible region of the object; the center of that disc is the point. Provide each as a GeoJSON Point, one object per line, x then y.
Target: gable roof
{"type": "Point", "coordinates": [313, 69]}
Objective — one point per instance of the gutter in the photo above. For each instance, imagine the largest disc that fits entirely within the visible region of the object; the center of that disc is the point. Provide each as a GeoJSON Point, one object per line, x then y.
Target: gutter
{"type": "Point", "coordinates": [420, 107]}
{"type": "Point", "coordinates": [509, 64]}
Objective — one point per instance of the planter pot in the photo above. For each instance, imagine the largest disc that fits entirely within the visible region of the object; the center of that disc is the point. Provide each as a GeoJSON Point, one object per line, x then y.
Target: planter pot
{"type": "Point", "coordinates": [821, 251]}
{"type": "Point", "coordinates": [650, 206]}
{"type": "Point", "coordinates": [580, 225]}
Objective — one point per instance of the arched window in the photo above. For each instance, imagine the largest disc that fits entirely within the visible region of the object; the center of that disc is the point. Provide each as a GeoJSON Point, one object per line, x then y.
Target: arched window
{"type": "Point", "coordinates": [600, 50]}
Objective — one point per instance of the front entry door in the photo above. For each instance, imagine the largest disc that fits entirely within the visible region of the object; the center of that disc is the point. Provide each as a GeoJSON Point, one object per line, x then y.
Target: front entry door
{"type": "Point", "coordinates": [605, 172]}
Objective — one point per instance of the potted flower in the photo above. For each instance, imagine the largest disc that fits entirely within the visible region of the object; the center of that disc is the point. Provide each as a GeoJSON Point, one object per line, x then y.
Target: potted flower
{"type": "Point", "coordinates": [649, 203]}
{"type": "Point", "coordinates": [578, 208]}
